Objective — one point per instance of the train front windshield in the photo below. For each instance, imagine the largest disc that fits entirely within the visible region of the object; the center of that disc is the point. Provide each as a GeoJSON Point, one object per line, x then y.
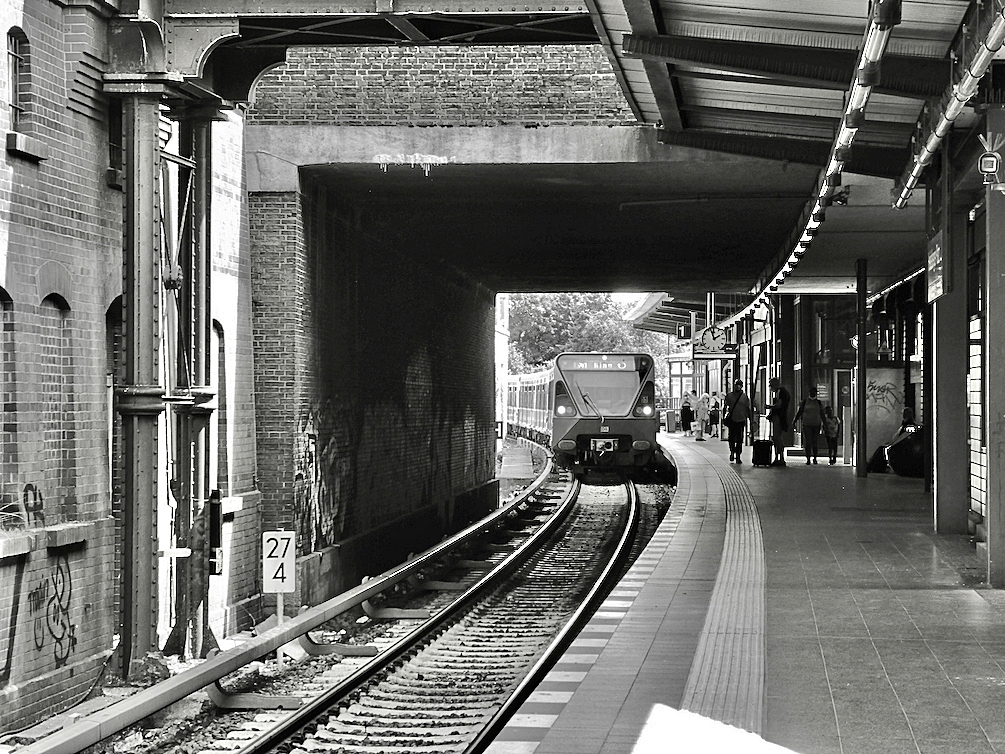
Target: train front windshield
{"type": "Point", "coordinates": [608, 385]}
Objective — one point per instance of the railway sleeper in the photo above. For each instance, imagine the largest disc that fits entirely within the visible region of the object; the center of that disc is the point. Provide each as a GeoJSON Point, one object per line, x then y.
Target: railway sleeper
{"type": "Point", "coordinates": [476, 564]}
{"type": "Point", "coordinates": [315, 746]}
{"type": "Point", "coordinates": [365, 717]}
{"type": "Point", "coordinates": [379, 706]}
{"type": "Point", "coordinates": [387, 732]}
{"type": "Point", "coordinates": [458, 689]}
{"type": "Point", "coordinates": [405, 693]}
{"type": "Point", "coordinates": [340, 726]}
{"type": "Point", "coordinates": [444, 586]}
{"type": "Point", "coordinates": [462, 654]}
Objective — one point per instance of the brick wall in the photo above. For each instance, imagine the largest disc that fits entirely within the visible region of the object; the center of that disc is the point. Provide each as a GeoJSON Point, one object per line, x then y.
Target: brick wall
{"type": "Point", "coordinates": [278, 278]}
{"type": "Point", "coordinates": [61, 236]}
{"type": "Point", "coordinates": [461, 86]}
{"type": "Point", "coordinates": [234, 426]}
{"type": "Point", "coordinates": [380, 413]}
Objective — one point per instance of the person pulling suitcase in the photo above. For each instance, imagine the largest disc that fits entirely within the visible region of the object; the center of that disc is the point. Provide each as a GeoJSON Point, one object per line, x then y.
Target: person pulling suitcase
{"type": "Point", "coordinates": [735, 415]}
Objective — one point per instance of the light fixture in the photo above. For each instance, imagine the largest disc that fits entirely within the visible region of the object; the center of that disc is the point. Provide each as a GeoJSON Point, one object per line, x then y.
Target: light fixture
{"type": "Point", "coordinates": [962, 92]}
{"type": "Point", "coordinates": [883, 16]}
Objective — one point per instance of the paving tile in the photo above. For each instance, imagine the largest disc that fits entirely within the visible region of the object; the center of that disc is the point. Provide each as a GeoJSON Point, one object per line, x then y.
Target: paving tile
{"type": "Point", "coordinates": [872, 643]}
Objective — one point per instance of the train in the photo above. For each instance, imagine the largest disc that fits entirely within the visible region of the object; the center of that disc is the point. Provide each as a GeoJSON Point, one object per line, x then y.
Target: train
{"type": "Point", "coordinates": [597, 412]}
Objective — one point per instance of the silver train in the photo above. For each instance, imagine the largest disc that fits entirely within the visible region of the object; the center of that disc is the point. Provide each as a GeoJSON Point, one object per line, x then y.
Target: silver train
{"type": "Point", "coordinates": [597, 412]}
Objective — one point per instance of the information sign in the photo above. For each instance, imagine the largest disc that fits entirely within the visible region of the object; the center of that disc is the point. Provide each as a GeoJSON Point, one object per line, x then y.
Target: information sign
{"type": "Point", "coordinates": [936, 268]}
{"type": "Point", "coordinates": [279, 562]}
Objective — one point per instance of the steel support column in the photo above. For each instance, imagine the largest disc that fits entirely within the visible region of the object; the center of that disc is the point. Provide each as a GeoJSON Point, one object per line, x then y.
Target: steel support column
{"type": "Point", "coordinates": [949, 423]}
{"type": "Point", "coordinates": [994, 367]}
{"type": "Point", "coordinates": [191, 468]}
{"type": "Point", "coordinates": [141, 398]}
{"type": "Point", "coordinates": [861, 357]}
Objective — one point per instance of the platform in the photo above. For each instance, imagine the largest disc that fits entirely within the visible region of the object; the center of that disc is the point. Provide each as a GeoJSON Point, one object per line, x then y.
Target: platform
{"type": "Point", "coordinates": [807, 606]}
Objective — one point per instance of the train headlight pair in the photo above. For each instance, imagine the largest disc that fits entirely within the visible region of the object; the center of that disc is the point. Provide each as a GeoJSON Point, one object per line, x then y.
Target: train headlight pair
{"type": "Point", "coordinates": [644, 411]}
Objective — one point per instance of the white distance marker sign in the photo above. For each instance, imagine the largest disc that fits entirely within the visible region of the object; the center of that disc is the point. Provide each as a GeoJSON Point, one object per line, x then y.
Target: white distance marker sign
{"type": "Point", "coordinates": [279, 562]}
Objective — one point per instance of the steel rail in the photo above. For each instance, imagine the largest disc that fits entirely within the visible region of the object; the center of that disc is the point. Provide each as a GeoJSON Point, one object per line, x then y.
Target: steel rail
{"type": "Point", "coordinates": [100, 725]}
{"type": "Point", "coordinates": [308, 714]}
{"type": "Point", "coordinates": [572, 627]}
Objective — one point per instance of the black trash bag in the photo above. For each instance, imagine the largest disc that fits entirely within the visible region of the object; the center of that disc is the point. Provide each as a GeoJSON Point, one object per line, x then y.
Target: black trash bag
{"type": "Point", "coordinates": [906, 454]}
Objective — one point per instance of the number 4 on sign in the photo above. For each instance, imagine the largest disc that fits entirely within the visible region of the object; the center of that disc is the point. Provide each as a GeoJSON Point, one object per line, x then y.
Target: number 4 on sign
{"type": "Point", "coordinates": [279, 562]}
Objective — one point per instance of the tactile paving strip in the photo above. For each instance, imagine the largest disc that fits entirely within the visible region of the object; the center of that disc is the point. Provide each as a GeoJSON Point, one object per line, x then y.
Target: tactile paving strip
{"type": "Point", "coordinates": [726, 681]}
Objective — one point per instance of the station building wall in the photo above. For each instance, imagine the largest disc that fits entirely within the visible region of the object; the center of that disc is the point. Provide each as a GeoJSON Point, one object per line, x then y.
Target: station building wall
{"type": "Point", "coordinates": [60, 232]}
{"type": "Point", "coordinates": [61, 239]}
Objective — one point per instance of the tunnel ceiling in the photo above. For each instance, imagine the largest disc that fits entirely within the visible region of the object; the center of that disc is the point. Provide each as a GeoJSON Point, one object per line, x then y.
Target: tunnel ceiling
{"type": "Point", "coordinates": [761, 82]}
{"type": "Point", "coordinates": [685, 227]}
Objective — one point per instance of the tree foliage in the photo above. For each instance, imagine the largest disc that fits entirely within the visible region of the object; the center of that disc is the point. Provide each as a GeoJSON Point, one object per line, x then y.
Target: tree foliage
{"type": "Point", "coordinates": [543, 325]}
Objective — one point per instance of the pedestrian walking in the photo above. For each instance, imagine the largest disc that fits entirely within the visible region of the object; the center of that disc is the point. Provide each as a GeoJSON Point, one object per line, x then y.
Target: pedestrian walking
{"type": "Point", "coordinates": [735, 415]}
{"type": "Point", "coordinates": [701, 417]}
{"type": "Point", "coordinates": [714, 414]}
{"type": "Point", "coordinates": [686, 413]}
{"type": "Point", "coordinates": [811, 416]}
{"type": "Point", "coordinates": [778, 415]}
{"type": "Point", "coordinates": [832, 428]}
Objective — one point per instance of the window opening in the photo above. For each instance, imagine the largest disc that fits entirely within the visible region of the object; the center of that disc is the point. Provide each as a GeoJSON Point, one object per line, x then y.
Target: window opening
{"type": "Point", "coordinates": [17, 72]}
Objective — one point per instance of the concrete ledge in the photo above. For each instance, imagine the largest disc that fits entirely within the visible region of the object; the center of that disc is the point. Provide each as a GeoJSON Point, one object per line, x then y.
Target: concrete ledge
{"type": "Point", "coordinates": [63, 535]}
{"type": "Point", "coordinates": [27, 147]}
{"type": "Point", "coordinates": [14, 544]}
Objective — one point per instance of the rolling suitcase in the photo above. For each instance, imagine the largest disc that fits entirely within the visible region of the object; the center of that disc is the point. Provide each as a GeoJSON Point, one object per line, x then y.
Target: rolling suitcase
{"type": "Point", "coordinates": [761, 453]}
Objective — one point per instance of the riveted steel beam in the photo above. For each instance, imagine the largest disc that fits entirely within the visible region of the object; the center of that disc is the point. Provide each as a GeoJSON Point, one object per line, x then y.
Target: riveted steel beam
{"type": "Point", "coordinates": [140, 400]}
{"type": "Point", "coordinates": [768, 123]}
{"type": "Point", "coordinates": [885, 162]}
{"type": "Point", "coordinates": [900, 75]}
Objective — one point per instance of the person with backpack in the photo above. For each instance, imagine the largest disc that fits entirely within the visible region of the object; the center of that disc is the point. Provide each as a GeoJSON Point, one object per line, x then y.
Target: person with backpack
{"type": "Point", "coordinates": [778, 416]}
{"type": "Point", "coordinates": [832, 428]}
{"type": "Point", "coordinates": [811, 411]}
{"type": "Point", "coordinates": [735, 415]}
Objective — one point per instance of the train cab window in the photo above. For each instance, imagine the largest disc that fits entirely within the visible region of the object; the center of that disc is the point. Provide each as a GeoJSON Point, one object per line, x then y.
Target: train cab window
{"type": "Point", "coordinates": [610, 389]}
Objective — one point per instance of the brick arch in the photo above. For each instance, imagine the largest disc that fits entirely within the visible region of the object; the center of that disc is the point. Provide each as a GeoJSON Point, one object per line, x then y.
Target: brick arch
{"type": "Point", "coordinates": [53, 469]}
{"type": "Point", "coordinates": [53, 281]}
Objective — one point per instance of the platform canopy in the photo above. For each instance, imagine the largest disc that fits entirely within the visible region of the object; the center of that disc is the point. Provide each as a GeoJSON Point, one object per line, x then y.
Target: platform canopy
{"type": "Point", "coordinates": [740, 103]}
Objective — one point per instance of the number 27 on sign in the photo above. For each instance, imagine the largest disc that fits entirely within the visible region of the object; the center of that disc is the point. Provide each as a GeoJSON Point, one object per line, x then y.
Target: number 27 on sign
{"type": "Point", "coordinates": [279, 562]}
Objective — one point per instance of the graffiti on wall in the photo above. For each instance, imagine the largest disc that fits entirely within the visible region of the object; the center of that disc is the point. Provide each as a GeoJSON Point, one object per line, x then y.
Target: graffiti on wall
{"type": "Point", "coordinates": [47, 601]}
{"type": "Point", "coordinates": [13, 599]}
{"type": "Point", "coordinates": [883, 396]}
{"type": "Point", "coordinates": [26, 513]}
{"type": "Point", "coordinates": [322, 470]}
{"type": "Point", "coordinates": [49, 608]}
{"type": "Point", "coordinates": [884, 405]}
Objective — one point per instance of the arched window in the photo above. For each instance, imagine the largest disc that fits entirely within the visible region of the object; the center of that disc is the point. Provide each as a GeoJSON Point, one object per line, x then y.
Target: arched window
{"type": "Point", "coordinates": [18, 77]}
{"type": "Point", "coordinates": [55, 400]}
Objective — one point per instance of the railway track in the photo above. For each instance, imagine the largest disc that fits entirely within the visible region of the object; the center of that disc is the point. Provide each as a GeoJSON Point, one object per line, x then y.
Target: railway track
{"type": "Point", "coordinates": [446, 684]}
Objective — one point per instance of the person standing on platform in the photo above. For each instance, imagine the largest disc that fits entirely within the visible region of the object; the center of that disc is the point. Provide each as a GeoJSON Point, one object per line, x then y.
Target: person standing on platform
{"type": "Point", "coordinates": [686, 413]}
{"type": "Point", "coordinates": [811, 413]}
{"type": "Point", "coordinates": [714, 416]}
{"type": "Point", "coordinates": [735, 416]}
{"type": "Point", "coordinates": [832, 427]}
{"type": "Point", "coordinates": [778, 415]}
{"type": "Point", "coordinates": [701, 417]}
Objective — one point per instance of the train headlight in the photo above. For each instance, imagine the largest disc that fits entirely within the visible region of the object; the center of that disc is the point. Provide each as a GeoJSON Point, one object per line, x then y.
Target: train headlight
{"type": "Point", "coordinates": [644, 410]}
{"type": "Point", "coordinates": [561, 410]}
{"type": "Point", "coordinates": [641, 445]}
{"type": "Point", "coordinates": [566, 444]}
